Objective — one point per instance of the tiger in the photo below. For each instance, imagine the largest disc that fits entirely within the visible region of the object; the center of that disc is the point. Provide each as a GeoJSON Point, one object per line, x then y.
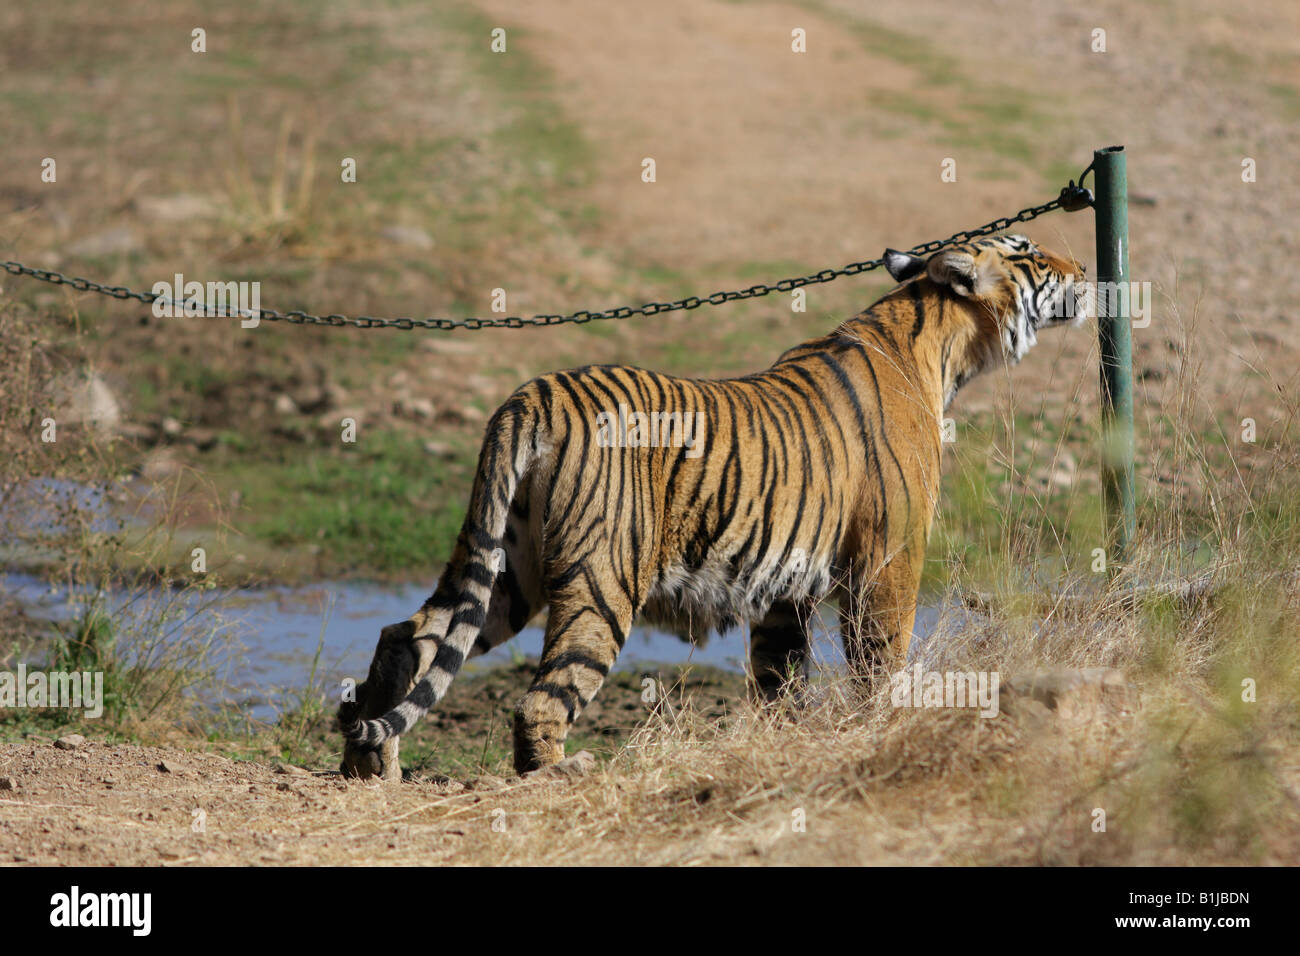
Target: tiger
{"type": "Point", "coordinates": [607, 492]}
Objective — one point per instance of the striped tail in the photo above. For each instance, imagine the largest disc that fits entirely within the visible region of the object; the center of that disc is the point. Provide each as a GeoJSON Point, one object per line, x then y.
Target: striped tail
{"type": "Point", "coordinates": [510, 446]}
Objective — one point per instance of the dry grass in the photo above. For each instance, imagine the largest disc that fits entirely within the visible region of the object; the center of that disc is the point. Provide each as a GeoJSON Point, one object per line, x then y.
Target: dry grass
{"type": "Point", "coordinates": [1193, 776]}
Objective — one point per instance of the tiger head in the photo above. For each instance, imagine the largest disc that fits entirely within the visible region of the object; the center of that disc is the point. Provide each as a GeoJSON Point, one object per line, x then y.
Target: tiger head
{"type": "Point", "coordinates": [1013, 288]}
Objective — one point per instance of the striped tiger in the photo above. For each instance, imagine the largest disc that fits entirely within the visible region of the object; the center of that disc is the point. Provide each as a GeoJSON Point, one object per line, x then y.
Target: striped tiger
{"type": "Point", "coordinates": [607, 491]}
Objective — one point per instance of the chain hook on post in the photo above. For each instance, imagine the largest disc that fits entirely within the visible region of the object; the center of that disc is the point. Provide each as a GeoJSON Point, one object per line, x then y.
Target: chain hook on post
{"type": "Point", "coordinates": [1073, 198]}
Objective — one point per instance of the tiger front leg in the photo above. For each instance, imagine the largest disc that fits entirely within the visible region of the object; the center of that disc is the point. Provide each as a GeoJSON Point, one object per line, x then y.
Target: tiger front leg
{"type": "Point", "coordinates": [399, 661]}
{"type": "Point", "coordinates": [877, 614]}
{"type": "Point", "coordinates": [778, 651]}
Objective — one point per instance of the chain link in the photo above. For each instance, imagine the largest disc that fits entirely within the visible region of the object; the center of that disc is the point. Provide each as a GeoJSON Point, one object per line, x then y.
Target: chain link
{"type": "Point", "coordinates": [1072, 198]}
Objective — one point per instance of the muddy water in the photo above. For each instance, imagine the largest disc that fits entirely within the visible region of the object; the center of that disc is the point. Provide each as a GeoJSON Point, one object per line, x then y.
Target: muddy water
{"type": "Point", "coordinates": [266, 640]}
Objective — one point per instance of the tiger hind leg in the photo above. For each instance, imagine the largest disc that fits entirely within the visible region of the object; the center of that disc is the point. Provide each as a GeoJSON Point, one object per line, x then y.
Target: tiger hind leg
{"type": "Point", "coordinates": [398, 660]}
{"type": "Point", "coordinates": [406, 650]}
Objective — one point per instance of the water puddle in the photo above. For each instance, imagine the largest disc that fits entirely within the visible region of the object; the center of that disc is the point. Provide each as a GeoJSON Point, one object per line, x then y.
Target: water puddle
{"type": "Point", "coordinates": [270, 637]}
{"type": "Point", "coordinates": [265, 643]}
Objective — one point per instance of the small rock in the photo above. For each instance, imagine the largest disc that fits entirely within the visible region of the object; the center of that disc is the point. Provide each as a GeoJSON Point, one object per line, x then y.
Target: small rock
{"type": "Point", "coordinates": [485, 782]}
{"type": "Point", "coordinates": [141, 432]}
{"type": "Point", "coordinates": [168, 766]}
{"type": "Point", "coordinates": [182, 207]}
{"type": "Point", "coordinates": [439, 449]}
{"type": "Point", "coordinates": [171, 427]}
{"type": "Point", "coordinates": [70, 742]}
{"type": "Point", "coordinates": [202, 438]}
{"type": "Point", "coordinates": [412, 236]}
{"type": "Point", "coordinates": [284, 405]}
{"type": "Point", "coordinates": [160, 464]}
{"type": "Point", "coordinates": [466, 415]}
{"type": "Point", "coordinates": [85, 399]}
{"type": "Point", "coordinates": [577, 765]}
{"type": "Point", "coordinates": [290, 769]}
{"type": "Point", "coordinates": [311, 399]}
{"type": "Point", "coordinates": [1076, 694]}
{"type": "Point", "coordinates": [118, 240]}
{"type": "Point", "coordinates": [420, 408]}
{"type": "Point", "coordinates": [8, 783]}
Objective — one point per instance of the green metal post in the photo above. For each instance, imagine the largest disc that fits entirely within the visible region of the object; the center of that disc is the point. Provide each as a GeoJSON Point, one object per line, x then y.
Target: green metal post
{"type": "Point", "coordinates": [1115, 332]}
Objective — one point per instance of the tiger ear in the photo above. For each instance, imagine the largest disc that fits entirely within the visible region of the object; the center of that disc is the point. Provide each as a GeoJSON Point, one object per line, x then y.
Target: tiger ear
{"type": "Point", "coordinates": [903, 265]}
{"type": "Point", "coordinates": [957, 270]}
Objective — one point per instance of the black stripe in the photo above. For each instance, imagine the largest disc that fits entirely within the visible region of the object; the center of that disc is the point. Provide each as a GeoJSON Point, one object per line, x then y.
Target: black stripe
{"type": "Point", "coordinates": [565, 695]}
{"type": "Point", "coordinates": [572, 659]}
{"type": "Point", "coordinates": [918, 308]}
{"type": "Point", "coordinates": [448, 659]}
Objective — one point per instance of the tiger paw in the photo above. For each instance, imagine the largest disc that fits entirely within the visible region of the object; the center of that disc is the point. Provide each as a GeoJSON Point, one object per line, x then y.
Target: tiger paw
{"type": "Point", "coordinates": [363, 763]}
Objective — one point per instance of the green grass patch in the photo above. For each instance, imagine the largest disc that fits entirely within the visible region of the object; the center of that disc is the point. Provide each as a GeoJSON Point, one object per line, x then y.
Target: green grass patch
{"type": "Point", "coordinates": [375, 510]}
{"type": "Point", "coordinates": [998, 120]}
{"type": "Point", "coordinates": [997, 524]}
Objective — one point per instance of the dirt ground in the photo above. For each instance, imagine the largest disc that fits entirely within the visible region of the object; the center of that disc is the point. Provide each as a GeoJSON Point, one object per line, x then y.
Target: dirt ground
{"type": "Point", "coordinates": [114, 805]}
{"type": "Point", "coordinates": [700, 781]}
{"type": "Point", "coordinates": [122, 804]}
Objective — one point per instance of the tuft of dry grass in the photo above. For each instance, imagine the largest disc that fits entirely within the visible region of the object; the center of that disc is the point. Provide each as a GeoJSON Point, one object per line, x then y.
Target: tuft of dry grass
{"type": "Point", "coordinates": [277, 213]}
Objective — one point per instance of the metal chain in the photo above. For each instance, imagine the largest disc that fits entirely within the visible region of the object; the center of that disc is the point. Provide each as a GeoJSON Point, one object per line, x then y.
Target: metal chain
{"type": "Point", "coordinates": [1072, 198]}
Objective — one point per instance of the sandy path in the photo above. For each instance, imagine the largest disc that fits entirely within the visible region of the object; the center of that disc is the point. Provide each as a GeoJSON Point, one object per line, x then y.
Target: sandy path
{"type": "Point", "coordinates": [762, 154]}
{"type": "Point", "coordinates": [101, 805]}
